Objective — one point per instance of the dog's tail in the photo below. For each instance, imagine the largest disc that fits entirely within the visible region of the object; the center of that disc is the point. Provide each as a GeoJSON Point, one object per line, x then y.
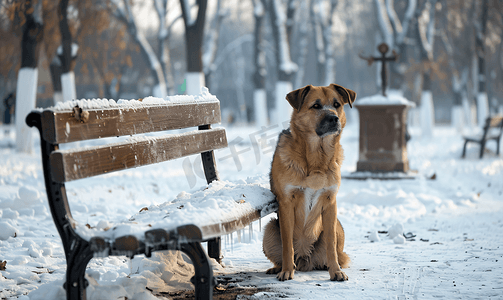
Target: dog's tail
{"type": "Point", "coordinates": [343, 259]}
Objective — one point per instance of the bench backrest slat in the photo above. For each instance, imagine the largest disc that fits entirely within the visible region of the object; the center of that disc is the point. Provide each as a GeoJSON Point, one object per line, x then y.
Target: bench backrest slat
{"type": "Point", "coordinates": [68, 165]}
{"type": "Point", "coordinates": [495, 121]}
{"type": "Point", "coordinates": [63, 126]}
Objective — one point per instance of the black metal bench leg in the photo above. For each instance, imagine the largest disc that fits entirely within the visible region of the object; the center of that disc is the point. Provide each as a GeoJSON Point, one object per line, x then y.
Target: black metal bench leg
{"type": "Point", "coordinates": [214, 249]}
{"type": "Point", "coordinates": [482, 147]}
{"type": "Point", "coordinates": [203, 279]}
{"type": "Point", "coordinates": [464, 150]}
{"type": "Point", "coordinates": [76, 283]}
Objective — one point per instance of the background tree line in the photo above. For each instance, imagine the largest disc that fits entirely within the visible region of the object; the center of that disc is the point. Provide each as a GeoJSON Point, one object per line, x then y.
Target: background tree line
{"type": "Point", "coordinates": [250, 53]}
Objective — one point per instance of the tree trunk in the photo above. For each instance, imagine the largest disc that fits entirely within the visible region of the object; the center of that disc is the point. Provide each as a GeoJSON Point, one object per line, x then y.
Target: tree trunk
{"type": "Point", "coordinates": [67, 55]}
{"type": "Point", "coordinates": [319, 42]}
{"type": "Point", "coordinates": [55, 68]}
{"type": "Point", "coordinates": [395, 32]}
{"type": "Point", "coordinates": [26, 91]}
{"type": "Point", "coordinates": [284, 66]}
{"type": "Point", "coordinates": [125, 15]}
{"type": "Point", "coordinates": [194, 33]}
{"type": "Point", "coordinates": [149, 55]}
{"type": "Point", "coordinates": [425, 38]}
{"type": "Point", "coordinates": [329, 48]}
{"type": "Point", "coordinates": [164, 52]}
{"type": "Point", "coordinates": [302, 48]}
{"type": "Point", "coordinates": [211, 44]}
{"type": "Point", "coordinates": [259, 59]}
{"type": "Point", "coordinates": [482, 100]}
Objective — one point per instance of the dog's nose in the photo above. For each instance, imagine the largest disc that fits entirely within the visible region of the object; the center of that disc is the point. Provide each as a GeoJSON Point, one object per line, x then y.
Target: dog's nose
{"type": "Point", "coordinates": [332, 120]}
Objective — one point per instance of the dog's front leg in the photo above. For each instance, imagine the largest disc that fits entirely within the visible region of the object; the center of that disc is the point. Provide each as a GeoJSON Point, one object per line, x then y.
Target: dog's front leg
{"type": "Point", "coordinates": [329, 221]}
{"type": "Point", "coordinates": [286, 224]}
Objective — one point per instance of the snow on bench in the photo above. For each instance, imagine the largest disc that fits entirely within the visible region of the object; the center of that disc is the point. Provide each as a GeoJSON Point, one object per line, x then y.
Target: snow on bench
{"type": "Point", "coordinates": [223, 207]}
{"type": "Point", "coordinates": [97, 104]}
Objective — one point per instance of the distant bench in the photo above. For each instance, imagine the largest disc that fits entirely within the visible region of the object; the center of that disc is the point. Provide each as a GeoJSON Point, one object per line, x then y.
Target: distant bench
{"type": "Point", "coordinates": [493, 129]}
{"type": "Point", "coordinates": [74, 123]}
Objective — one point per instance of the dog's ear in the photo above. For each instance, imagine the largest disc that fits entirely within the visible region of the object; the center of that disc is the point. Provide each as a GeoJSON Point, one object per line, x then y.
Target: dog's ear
{"type": "Point", "coordinates": [296, 98]}
{"type": "Point", "coordinates": [348, 95]}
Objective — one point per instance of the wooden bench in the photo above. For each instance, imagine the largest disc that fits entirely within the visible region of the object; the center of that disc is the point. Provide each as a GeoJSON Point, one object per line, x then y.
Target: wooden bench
{"type": "Point", "coordinates": [64, 125]}
{"type": "Point", "coordinates": [492, 130]}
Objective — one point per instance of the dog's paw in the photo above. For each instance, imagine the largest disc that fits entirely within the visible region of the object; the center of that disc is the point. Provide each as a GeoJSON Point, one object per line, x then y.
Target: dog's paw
{"type": "Point", "coordinates": [274, 270]}
{"type": "Point", "coordinates": [338, 276]}
{"type": "Point", "coordinates": [285, 275]}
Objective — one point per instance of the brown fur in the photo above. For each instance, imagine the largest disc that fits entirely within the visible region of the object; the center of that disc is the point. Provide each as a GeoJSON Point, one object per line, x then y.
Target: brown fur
{"type": "Point", "coordinates": [305, 177]}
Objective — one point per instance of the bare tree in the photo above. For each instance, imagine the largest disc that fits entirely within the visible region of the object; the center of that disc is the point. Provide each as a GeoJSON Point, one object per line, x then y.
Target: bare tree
{"type": "Point", "coordinates": [285, 68]}
{"type": "Point", "coordinates": [259, 60]}
{"type": "Point", "coordinates": [194, 33]}
{"type": "Point", "coordinates": [304, 30]}
{"type": "Point", "coordinates": [458, 57]}
{"type": "Point", "coordinates": [30, 14]}
{"type": "Point", "coordinates": [459, 85]}
{"type": "Point", "coordinates": [161, 7]}
{"type": "Point", "coordinates": [322, 20]}
{"type": "Point", "coordinates": [394, 32]}
{"type": "Point", "coordinates": [211, 42]}
{"type": "Point", "coordinates": [480, 25]}
{"type": "Point", "coordinates": [67, 53]}
{"type": "Point", "coordinates": [425, 37]}
{"type": "Point", "coordinates": [123, 12]}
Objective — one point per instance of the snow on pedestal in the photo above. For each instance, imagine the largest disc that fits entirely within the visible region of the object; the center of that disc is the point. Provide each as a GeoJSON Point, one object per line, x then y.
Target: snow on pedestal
{"type": "Point", "coordinates": [260, 103]}
{"type": "Point", "coordinates": [68, 86]}
{"type": "Point", "coordinates": [283, 108]}
{"type": "Point", "coordinates": [482, 109]}
{"type": "Point", "coordinates": [427, 114]}
{"type": "Point", "coordinates": [195, 80]}
{"type": "Point", "coordinates": [392, 99]}
{"type": "Point", "coordinates": [26, 92]}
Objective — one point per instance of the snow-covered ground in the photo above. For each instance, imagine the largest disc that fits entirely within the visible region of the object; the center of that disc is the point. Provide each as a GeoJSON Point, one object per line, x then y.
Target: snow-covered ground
{"type": "Point", "coordinates": [457, 220]}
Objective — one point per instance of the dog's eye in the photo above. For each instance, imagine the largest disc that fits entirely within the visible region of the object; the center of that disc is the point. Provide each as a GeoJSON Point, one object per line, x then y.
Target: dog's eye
{"type": "Point", "coordinates": [316, 106]}
{"type": "Point", "coordinates": [337, 104]}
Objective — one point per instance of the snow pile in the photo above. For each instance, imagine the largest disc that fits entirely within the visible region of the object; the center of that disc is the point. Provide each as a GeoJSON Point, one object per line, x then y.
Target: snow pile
{"type": "Point", "coordinates": [378, 99]}
{"type": "Point", "coordinates": [204, 96]}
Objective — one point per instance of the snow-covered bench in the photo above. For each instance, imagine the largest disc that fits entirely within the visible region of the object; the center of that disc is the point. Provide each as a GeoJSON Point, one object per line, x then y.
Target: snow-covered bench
{"type": "Point", "coordinates": [179, 224]}
{"type": "Point", "coordinates": [493, 130]}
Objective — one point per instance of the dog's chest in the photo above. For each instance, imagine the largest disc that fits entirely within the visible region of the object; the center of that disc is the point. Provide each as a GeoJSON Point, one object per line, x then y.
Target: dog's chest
{"type": "Point", "coordinates": [311, 198]}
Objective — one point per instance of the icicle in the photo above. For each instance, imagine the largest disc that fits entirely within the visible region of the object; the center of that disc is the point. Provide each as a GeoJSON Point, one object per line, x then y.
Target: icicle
{"type": "Point", "coordinates": [260, 224]}
{"type": "Point", "coordinates": [232, 244]}
{"type": "Point", "coordinates": [239, 236]}
{"type": "Point", "coordinates": [250, 230]}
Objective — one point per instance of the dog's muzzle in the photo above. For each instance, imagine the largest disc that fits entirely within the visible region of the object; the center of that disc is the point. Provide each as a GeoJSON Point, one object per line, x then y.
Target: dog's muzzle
{"type": "Point", "coordinates": [330, 124]}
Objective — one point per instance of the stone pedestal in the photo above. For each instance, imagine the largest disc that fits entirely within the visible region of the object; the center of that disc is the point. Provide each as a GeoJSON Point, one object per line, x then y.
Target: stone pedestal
{"type": "Point", "coordinates": [382, 138]}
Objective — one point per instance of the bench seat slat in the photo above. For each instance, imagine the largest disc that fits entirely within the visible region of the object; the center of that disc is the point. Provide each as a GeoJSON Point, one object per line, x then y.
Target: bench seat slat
{"type": "Point", "coordinates": [63, 127]}
{"type": "Point", "coordinates": [68, 165]}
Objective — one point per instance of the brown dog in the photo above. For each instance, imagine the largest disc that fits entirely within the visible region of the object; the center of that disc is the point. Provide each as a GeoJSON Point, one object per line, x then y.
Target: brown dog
{"type": "Point", "coordinates": [305, 177]}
